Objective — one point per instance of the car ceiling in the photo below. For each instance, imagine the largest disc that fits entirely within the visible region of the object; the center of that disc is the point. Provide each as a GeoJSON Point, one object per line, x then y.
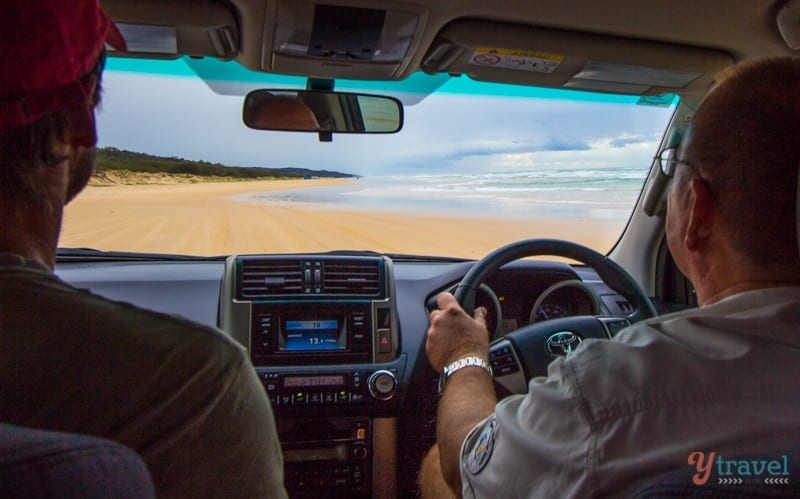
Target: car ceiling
{"type": "Point", "coordinates": [695, 37]}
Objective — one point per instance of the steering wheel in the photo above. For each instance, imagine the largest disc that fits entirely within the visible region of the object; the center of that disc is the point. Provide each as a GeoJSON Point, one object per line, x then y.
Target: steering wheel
{"type": "Point", "coordinates": [525, 352]}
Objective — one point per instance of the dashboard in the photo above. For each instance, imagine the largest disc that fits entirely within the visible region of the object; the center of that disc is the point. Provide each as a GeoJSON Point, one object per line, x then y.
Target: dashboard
{"type": "Point", "coordinates": [338, 341]}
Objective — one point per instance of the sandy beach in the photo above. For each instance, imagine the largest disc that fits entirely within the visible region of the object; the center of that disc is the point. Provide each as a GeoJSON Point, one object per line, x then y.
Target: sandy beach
{"type": "Point", "coordinates": [218, 219]}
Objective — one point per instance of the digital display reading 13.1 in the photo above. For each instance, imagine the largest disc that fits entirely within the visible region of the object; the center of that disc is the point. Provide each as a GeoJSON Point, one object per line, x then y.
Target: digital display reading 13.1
{"type": "Point", "coordinates": [312, 335]}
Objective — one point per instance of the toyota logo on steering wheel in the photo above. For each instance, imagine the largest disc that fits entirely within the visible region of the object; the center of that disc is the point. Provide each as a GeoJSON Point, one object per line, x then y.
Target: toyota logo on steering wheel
{"type": "Point", "coordinates": [560, 344]}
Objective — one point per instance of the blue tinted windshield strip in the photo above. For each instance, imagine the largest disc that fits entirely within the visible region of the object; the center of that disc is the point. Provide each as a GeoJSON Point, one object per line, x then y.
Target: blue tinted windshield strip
{"type": "Point", "coordinates": [231, 78]}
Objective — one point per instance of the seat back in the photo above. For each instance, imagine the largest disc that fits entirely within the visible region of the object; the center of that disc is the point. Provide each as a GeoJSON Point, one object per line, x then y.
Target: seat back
{"type": "Point", "coordinates": [49, 464]}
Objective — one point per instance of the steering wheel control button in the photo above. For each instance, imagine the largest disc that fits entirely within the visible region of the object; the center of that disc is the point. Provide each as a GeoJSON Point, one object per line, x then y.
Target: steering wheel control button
{"type": "Point", "coordinates": [382, 385]}
{"type": "Point", "coordinates": [503, 361]}
{"type": "Point", "coordinates": [561, 343]}
{"type": "Point", "coordinates": [614, 326]}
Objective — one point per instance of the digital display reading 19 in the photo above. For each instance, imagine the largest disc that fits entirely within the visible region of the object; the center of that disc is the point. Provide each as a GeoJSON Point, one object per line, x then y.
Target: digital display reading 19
{"type": "Point", "coordinates": [312, 335]}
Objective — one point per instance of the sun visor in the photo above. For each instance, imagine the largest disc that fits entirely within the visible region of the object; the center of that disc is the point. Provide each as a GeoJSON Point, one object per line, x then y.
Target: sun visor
{"type": "Point", "coordinates": [168, 29]}
{"type": "Point", "coordinates": [528, 55]}
{"type": "Point", "coordinates": [341, 41]}
{"type": "Point", "coordinates": [231, 78]}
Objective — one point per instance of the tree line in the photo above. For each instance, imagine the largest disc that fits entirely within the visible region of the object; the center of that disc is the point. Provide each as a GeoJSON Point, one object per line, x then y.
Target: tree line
{"type": "Point", "coordinates": [111, 158]}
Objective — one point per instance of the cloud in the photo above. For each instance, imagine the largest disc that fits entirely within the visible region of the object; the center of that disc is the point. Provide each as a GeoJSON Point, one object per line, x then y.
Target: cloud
{"type": "Point", "coordinates": [480, 153]}
{"type": "Point", "coordinates": [626, 139]}
{"type": "Point", "coordinates": [603, 152]}
{"type": "Point", "coordinates": [442, 133]}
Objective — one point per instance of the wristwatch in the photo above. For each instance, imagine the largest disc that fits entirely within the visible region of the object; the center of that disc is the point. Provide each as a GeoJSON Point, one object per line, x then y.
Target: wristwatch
{"type": "Point", "coordinates": [472, 360]}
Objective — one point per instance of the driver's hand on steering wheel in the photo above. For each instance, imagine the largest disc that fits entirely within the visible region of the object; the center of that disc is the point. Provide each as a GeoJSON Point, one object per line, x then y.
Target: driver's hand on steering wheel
{"type": "Point", "coordinates": [453, 334]}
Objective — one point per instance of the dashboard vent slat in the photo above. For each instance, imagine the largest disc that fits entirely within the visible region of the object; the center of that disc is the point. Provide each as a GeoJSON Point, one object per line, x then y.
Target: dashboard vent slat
{"type": "Point", "coordinates": [352, 277]}
{"type": "Point", "coordinates": [311, 276]}
{"type": "Point", "coordinates": [260, 278]}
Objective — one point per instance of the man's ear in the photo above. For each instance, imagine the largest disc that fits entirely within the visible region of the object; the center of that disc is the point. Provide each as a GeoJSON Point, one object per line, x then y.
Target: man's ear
{"type": "Point", "coordinates": [82, 130]}
{"type": "Point", "coordinates": [701, 215]}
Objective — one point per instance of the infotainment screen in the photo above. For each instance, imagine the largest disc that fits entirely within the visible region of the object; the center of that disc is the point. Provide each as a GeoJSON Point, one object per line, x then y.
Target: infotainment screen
{"type": "Point", "coordinates": [312, 336]}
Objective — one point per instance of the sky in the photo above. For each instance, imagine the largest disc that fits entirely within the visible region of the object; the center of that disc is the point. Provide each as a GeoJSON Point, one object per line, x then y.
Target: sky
{"type": "Point", "coordinates": [180, 116]}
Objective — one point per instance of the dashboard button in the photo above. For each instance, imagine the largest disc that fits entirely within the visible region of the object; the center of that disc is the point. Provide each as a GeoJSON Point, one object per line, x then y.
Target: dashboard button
{"type": "Point", "coordinates": [358, 475]}
{"type": "Point", "coordinates": [384, 341]}
{"type": "Point", "coordinates": [382, 385]}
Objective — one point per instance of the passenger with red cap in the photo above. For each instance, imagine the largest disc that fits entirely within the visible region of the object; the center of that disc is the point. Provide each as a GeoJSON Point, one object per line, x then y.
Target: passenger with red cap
{"type": "Point", "coordinates": [184, 396]}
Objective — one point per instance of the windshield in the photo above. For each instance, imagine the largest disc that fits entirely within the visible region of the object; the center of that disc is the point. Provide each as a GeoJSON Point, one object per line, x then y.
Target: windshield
{"type": "Point", "coordinates": [477, 165]}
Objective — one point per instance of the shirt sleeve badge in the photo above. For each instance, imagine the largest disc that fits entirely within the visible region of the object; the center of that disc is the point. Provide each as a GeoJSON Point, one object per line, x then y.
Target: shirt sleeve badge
{"type": "Point", "coordinates": [482, 448]}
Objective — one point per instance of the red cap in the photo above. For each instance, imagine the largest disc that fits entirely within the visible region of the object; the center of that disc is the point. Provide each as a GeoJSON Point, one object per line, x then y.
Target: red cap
{"type": "Point", "coordinates": [46, 47]}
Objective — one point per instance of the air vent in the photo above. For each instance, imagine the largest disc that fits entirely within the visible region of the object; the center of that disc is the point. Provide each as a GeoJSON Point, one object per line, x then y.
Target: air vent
{"type": "Point", "coordinates": [351, 277]}
{"type": "Point", "coordinates": [261, 278]}
{"type": "Point", "coordinates": [624, 306]}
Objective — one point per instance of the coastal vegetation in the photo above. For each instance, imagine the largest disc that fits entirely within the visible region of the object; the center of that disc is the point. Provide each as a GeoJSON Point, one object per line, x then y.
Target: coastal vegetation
{"type": "Point", "coordinates": [116, 166]}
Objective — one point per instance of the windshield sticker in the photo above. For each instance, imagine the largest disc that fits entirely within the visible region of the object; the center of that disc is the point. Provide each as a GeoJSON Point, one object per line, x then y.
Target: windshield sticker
{"type": "Point", "coordinates": [520, 60]}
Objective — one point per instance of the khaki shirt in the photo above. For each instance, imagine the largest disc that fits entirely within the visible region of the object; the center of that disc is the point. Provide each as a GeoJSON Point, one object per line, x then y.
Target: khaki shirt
{"type": "Point", "coordinates": [184, 396]}
{"type": "Point", "coordinates": [722, 379]}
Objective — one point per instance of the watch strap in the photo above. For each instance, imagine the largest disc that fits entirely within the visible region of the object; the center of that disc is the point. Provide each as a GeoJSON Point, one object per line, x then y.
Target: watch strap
{"type": "Point", "coordinates": [469, 361]}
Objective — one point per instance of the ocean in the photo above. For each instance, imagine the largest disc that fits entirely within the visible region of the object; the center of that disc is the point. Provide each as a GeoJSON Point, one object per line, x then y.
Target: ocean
{"type": "Point", "coordinates": [587, 193]}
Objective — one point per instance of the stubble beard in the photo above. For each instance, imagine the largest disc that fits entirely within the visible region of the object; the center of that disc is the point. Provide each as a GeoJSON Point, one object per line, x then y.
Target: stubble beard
{"type": "Point", "coordinates": [83, 168]}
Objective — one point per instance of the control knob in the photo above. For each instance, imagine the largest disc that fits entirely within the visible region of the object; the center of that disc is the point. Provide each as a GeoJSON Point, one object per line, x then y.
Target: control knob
{"type": "Point", "coordinates": [382, 384]}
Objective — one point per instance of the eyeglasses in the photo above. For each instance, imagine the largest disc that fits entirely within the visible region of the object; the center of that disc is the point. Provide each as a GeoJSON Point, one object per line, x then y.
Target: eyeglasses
{"type": "Point", "coordinates": [668, 162]}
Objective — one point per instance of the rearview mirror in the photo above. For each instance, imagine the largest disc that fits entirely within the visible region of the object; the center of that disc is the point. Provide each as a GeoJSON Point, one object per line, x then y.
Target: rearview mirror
{"type": "Point", "coordinates": [322, 111]}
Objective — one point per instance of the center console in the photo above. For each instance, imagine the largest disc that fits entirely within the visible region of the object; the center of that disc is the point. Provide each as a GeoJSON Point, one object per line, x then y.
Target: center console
{"type": "Point", "coordinates": [322, 334]}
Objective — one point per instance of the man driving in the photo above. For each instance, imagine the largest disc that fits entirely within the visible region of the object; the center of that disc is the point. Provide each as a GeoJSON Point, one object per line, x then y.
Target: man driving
{"type": "Point", "coordinates": [182, 395]}
{"type": "Point", "coordinates": [270, 112]}
{"type": "Point", "coordinates": [695, 390]}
